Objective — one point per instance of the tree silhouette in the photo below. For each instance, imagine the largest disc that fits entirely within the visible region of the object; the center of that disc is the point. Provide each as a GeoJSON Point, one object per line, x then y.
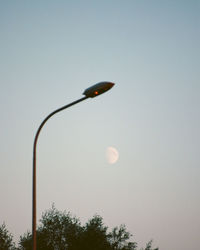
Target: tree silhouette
{"type": "Point", "coordinates": [119, 237]}
{"type": "Point", "coordinates": [6, 239]}
{"type": "Point", "coordinates": [58, 230]}
{"type": "Point", "coordinates": [94, 235]}
{"type": "Point", "coordinates": [62, 231]}
{"type": "Point", "coordinates": [149, 246]}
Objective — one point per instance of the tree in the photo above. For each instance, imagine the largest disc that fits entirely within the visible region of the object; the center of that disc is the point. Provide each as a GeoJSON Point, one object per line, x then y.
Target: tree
{"type": "Point", "coordinates": [94, 235]}
{"type": "Point", "coordinates": [62, 231]}
{"type": "Point", "coordinates": [58, 230]}
{"type": "Point", "coordinates": [6, 239]}
{"type": "Point", "coordinates": [149, 246]}
{"type": "Point", "coordinates": [119, 237]}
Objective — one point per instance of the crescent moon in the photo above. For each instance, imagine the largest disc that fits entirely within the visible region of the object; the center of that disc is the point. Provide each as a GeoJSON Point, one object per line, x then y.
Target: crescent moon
{"type": "Point", "coordinates": [112, 155]}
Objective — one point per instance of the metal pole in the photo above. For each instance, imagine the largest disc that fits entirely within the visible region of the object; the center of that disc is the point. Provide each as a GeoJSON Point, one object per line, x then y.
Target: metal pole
{"type": "Point", "coordinates": [34, 167]}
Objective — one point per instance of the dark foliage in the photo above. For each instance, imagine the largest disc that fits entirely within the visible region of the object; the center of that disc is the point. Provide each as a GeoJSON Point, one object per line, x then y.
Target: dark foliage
{"type": "Point", "coordinates": [149, 246]}
{"type": "Point", "coordinates": [62, 231]}
{"type": "Point", "coordinates": [6, 239]}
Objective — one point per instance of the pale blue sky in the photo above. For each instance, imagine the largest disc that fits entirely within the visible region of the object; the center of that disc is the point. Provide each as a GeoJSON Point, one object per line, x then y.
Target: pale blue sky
{"type": "Point", "coordinates": [50, 52]}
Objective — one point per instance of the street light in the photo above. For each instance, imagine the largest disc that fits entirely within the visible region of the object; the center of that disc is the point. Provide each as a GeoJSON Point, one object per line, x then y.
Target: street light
{"type": "Point", "coordinates": [90, 92]}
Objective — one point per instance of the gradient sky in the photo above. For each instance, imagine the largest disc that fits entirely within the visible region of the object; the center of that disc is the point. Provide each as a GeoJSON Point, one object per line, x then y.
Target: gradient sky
{"type": "Point", "coordinates": [50, 52]}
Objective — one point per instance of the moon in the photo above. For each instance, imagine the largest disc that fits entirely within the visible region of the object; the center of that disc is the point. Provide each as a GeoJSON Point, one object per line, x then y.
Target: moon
{"type": "Point", "coordinates": [112, 155]}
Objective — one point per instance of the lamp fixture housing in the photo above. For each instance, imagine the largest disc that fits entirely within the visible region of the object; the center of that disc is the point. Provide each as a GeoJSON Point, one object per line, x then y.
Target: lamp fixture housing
{"type": "Point", "coordinates": [98, 89]}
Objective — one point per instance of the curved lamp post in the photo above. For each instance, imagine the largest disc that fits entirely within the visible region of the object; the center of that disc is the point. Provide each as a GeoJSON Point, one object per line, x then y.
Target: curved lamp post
{"type": "Point", "coordinates": [93, 91]}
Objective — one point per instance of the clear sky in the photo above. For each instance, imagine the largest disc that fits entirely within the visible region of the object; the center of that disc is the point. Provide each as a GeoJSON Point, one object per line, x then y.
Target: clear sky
{"type": "Point", "coordinates": [50, 52]}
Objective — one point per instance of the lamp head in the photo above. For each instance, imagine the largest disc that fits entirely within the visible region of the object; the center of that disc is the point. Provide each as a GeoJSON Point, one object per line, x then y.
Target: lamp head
{"type": "Point", "coordinates": [98, 89]}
